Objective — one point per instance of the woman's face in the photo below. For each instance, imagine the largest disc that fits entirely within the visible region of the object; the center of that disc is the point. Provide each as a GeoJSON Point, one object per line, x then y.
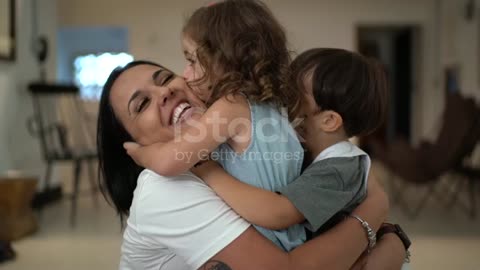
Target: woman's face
{"type": "Point", "coordinates": [151, 101]}
{"type": "Point", "coordinates": [193, 71]}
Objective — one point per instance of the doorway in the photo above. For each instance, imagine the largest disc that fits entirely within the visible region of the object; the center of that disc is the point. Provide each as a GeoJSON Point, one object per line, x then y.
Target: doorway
{"type": "Point", "coordinates": [396, 47]}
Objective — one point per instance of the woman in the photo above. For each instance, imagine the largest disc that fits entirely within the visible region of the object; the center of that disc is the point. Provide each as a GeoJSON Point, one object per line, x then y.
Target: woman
{"type": "Point", "coordinates": [178, 222]}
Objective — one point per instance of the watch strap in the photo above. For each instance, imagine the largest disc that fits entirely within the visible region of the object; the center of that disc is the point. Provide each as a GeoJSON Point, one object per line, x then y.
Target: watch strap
{"type": "Point", "coordinates": [396, 229]}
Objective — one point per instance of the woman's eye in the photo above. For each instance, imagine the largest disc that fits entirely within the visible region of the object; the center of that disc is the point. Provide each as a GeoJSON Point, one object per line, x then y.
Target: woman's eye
{"type": "Point", "coordinates": [162, 77]}
{"type": "Point", "coordinates": [142, 104]}
{"type": "Point", "coordinates": [167, 79]}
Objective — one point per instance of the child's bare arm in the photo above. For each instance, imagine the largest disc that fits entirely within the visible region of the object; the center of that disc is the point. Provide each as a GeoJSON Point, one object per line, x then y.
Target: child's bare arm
{"type": "Point", "coordinates": [197, 140]}
{"type": "Point", "coordinates": [258, 206]}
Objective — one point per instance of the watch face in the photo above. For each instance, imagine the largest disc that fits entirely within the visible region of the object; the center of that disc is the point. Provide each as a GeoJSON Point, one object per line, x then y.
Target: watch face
{"type": "Point", "coordinates": [403, 236]}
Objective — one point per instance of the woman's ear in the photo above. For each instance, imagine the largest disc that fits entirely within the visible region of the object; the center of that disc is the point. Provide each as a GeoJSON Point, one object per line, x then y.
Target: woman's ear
{"type": "Point", "coordinates": [330, 121]}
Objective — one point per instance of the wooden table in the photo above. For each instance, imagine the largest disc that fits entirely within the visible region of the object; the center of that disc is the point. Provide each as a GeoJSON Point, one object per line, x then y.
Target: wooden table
{"type": "Point", "coordinates": [16, 215]}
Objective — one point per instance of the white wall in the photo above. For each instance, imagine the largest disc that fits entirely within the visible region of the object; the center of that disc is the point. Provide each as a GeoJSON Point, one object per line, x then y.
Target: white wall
{"type": "Point", "coordinates": [154, 28]}
{"type": "Point", "coordinates": [17, 148]}
{"type": "Point", "coordinates": [6, 87]}
{"type": "Point", "coordinates": [461, 45]}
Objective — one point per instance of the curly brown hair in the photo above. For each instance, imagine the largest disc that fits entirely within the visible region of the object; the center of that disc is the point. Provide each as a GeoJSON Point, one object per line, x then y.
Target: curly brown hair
{"type": "Point", "coordinates": [243, 50]}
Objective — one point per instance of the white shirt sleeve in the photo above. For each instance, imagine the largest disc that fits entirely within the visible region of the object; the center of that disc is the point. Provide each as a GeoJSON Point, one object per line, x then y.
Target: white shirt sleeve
{"type": "Point", "coordinates": [183, 214]}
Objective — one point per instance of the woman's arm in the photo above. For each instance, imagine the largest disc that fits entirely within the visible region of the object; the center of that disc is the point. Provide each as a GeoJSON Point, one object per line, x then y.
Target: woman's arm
{"type": "Point", "coordinates": [337, 248]}
{"type": "Point", "coordinates": [186, 216]}
{"type": "Point", "coordinates": [263, 208]}
{"type": "Point", "coordinates": [196, 141]}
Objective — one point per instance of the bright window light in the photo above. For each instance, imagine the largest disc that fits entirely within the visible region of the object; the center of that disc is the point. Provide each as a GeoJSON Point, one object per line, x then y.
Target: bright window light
{"type": "Point", "coordinates": [91, 71]}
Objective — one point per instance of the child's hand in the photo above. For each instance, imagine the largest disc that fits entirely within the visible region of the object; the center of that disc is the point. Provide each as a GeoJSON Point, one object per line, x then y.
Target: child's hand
{"type": "Point", "coordinates": [138, 153]}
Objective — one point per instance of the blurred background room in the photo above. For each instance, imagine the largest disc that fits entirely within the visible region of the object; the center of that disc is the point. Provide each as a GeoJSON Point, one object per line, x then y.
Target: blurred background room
{"type": "Point", "coordinates": [55, 56]}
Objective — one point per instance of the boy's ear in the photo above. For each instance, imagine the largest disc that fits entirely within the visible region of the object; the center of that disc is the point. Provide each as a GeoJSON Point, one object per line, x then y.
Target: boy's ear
{"type": "Point", "coordinates": [331, 121]}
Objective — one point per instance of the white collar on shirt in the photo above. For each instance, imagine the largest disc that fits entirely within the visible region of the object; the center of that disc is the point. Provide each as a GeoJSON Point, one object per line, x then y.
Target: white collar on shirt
{"type": "Point", "coordinates": [345, 149]}
{"type": "Point", "coordinates": [341, 149]}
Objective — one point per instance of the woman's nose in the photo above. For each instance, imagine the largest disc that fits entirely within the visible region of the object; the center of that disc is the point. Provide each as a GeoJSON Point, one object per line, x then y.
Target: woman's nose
{"type": "Point", "coordinates": [165, 94]}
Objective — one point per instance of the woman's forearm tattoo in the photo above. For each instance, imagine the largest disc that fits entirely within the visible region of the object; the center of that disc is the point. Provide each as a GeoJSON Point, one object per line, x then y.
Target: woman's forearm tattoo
{"type": "Point", "coordinates": [215, 265]}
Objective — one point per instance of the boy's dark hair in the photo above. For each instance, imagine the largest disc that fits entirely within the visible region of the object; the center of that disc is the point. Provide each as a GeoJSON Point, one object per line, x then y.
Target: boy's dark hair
{"type": "Point", "coordinates": [345, 82]}
{"type": "Point", "coordinates": [243, 49]}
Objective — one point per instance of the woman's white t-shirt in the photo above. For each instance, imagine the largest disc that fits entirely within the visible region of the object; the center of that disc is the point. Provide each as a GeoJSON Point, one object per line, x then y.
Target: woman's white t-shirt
{"type": "Point", "coordinates": [176, 223]}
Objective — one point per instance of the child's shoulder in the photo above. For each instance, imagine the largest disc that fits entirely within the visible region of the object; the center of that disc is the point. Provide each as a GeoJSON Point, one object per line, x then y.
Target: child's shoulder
{"type": "Point", "coordinates": [236, 104]}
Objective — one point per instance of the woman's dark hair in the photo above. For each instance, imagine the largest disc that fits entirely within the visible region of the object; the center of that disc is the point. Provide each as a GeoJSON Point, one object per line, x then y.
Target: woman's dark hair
{"type": "Point", "coordinates": [242, 49]}
{"type": "Point", "coordinates": [345, 82]}
{"type": "Point", "coordinates": [118, 173]}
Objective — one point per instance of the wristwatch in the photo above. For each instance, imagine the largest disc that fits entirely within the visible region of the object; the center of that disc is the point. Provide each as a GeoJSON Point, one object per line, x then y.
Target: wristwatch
{"type": "Point", "coordinates": [396, 229]}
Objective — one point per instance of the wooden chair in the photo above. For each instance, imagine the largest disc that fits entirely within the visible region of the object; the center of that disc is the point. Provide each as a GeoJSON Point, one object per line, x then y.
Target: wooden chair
{"type": "Point", "coordinates": [65, 133]}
